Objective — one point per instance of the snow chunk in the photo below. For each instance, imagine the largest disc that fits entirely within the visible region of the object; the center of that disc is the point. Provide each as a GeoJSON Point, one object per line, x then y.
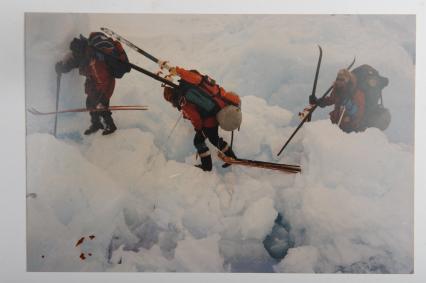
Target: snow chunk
{"type": "Point", "coordinates": [126, 155]}
{"type": "Point", "coordinates": [258, 219]}
{"type": "Point", "coordinates": [261, 119]}
{"type": "Point", "coordinates": [68, 198]}
{"type": "Point", "coordinates": [299, 260]}
{"type": "Point", "coordinates": [353, 190]}
{"type": "Point", "coordinates": [199, 255]}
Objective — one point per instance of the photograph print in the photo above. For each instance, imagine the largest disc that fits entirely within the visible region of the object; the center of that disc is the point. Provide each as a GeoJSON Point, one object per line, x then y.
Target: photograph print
{"type": "Point", "coordinates": [220, 143]}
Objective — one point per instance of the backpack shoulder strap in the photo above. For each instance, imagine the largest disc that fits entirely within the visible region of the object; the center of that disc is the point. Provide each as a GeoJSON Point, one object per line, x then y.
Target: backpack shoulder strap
{"type": "Point", "coordinates": [99, 40]}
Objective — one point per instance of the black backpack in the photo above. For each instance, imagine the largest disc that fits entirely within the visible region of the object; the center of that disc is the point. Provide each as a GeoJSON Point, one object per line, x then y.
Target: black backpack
{"type": "Point", "coordinates": [372, 83]}
{"type": "Point", "coordinates": [118, 60]}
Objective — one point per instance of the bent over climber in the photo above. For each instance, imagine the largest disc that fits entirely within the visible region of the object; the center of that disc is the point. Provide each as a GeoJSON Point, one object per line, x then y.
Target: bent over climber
{"type": "Point", "coordinates": [187, 99]}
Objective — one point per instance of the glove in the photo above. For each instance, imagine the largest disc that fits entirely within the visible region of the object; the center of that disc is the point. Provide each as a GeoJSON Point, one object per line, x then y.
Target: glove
{"type": "Point", "coordinates": [316, 101]}
{"type": "Point", "coordinates": [321, 102]}
{"type": "Point", "coordinates": [59, 67]}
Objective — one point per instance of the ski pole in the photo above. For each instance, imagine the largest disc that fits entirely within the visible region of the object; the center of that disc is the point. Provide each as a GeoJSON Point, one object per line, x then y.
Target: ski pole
{"type": "Point", "coordinates": [162, 146]}
{"type": "Point", "coordinates": [341, 116]}
{"type": "Point", "coordinates": [309, 113]}
{"type": "Point", "coordinates": [232, 139]}
{"type": "Point", "coordinates": [58, 86]}
{"type": "Point", "coordinates": [299, 126]}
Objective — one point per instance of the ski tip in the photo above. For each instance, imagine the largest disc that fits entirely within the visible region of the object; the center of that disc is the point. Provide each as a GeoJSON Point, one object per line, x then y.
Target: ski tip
{"type": "Point", "coordinates": [106, 30]}
{"type": "Point", "coordinates": [352, 63]}
{"type": "Point", "coordinates": [32, 110]}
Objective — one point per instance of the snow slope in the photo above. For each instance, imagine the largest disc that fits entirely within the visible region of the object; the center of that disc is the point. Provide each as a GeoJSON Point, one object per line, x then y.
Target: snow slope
{"type": "Point", "coordinates": [137, 192]}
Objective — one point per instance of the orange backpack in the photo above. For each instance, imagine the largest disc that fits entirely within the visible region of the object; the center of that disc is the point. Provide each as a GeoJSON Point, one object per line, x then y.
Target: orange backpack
{"type": "Point", "coordinates": [208, 85]}
{"type": "Point", "coordinates": [211, 99]}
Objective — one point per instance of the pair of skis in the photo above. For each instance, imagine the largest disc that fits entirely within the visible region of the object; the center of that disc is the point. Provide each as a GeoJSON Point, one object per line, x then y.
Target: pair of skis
{"type": "Point", "coordinates": [286, 168]}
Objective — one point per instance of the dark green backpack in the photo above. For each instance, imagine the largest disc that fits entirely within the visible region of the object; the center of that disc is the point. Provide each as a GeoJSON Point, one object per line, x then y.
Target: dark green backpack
{"type": "Point", "coordinates": [200, 98]}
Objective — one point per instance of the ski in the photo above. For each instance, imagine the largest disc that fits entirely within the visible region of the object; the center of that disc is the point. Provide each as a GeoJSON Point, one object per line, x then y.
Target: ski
{"type": "Point", "coordinates": [260, 164]}
{"type": "Point", "coordinates": [314, 88]}
{"type": "Point", "coordinates": [111, 108]}
{"type": "Point", "coordinates": [118, 37]}
{"type": "Point", "coordinates": [310, 111]}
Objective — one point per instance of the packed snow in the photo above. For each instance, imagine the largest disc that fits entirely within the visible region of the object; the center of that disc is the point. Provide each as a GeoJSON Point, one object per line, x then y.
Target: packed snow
{"type": "Point", "coordinates": [141, 205]}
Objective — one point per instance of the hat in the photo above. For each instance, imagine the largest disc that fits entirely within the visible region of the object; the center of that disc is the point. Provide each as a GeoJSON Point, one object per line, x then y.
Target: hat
{"type": "Point", "coordinates": [344, 79]}
{"type": "Point", "coordinates": [345, 76]}
{"type": "Point", "coordinates": [78, 45]}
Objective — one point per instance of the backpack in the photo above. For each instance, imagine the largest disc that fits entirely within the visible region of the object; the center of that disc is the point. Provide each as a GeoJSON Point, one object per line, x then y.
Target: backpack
{"type": "Point", "coordinates": [372, 83]}
{"type": "Point", "coordinates": [211, 100]}
{"type": "Point", "coordinates": [209, 97]}
{"type": "Point", "coordinates": [202, 100]}
{"type": "Point", "coordinates": [380, 118]}
{"type": "Point", "coordinates": [117, 62]}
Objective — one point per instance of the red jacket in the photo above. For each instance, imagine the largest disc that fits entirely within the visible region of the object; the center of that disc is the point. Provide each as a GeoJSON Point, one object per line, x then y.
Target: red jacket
{"type": "Point", "coordinates": [354, 110]}
{"type": "Point", "coordinates": [99, 81]}
{"type": "Point", "coordinates": [191, 113]}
